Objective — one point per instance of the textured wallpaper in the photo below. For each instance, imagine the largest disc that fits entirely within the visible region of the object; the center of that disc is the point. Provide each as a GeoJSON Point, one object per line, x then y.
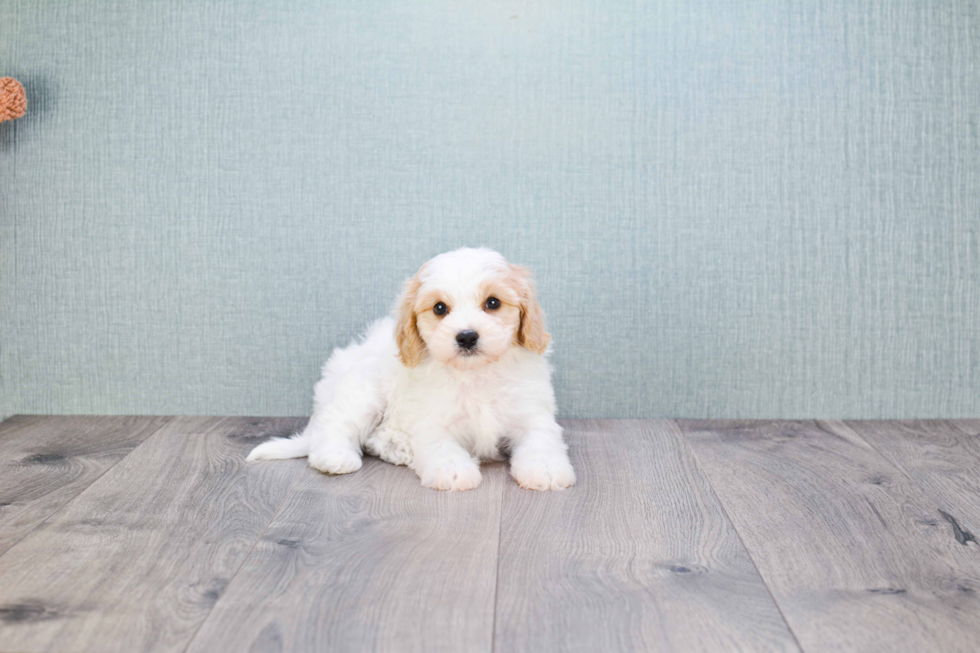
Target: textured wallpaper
{"type": "Point", "coordinates": [733, 209]}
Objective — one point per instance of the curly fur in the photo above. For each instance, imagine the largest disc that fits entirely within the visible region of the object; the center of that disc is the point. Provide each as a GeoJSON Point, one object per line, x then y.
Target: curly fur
{"type": "Point", "coordinates": [410, 394]}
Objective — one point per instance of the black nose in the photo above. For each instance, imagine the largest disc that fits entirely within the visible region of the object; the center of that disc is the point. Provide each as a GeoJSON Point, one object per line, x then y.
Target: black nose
{"type": "Point", "coordinates": [467, 339]}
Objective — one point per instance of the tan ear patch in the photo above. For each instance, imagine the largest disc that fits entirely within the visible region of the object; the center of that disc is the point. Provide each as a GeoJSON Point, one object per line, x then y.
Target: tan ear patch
{"type": "Point", "coordinates": [531, 332]}
{"type": "Point", "coordinates": [410, 343]}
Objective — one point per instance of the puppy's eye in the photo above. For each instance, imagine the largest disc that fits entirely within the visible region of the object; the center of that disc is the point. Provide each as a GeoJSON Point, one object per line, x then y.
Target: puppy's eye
{"type": "Point", "coordinates": [440, 309]}
{"type": "Point", "coordinates": [492, 304]}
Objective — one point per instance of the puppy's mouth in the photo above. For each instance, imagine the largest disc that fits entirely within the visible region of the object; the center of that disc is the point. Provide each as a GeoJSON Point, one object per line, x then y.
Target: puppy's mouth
{"type": "Point", "coordinates": [467, 353]}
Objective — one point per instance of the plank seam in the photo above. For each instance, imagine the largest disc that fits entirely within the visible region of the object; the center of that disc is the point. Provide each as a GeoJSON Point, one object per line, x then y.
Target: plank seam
{"type": "Point", "coordinates": [711, 487]}
{"type": "Point", "coordinates": [891, 463]}
{"type": "Point", "coordinates": [496, 576]}
{"type": "Point", "coordinates": [63, 506]}
{"type": "Point", "coordinates": [926, 494]}
{"type": "Point", "coordinates": [245, 559]}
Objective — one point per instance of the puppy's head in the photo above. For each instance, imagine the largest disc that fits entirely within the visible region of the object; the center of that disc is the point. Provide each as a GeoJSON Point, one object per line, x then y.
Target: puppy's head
{"type": "Point", "coordinates": [466, 308]}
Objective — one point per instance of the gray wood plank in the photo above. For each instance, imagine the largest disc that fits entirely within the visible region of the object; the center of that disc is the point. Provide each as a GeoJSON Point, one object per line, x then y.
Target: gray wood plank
{"type": "Point", "coordinates": [45, 462]}
{"type": "Point", "coordinates": [851, 548]}
{"type": "Point", "coordinates": [138, 559]}
{"type": "Point", "coordinates": [639, 555]}
{"type": "Point", "coordinates": [370, 561]}
{"type": "Point", "coordinates": [943, 457]}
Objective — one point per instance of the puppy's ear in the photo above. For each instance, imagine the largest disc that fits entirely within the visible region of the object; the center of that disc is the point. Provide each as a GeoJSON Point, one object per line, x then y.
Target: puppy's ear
{"type": "Point", "coordinates": [531, 332]}
{"type": "Point", "coordinates": [410, 343]}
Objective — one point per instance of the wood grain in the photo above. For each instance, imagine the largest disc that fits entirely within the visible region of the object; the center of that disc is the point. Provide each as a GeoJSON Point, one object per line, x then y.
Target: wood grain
{"type": "Point", "coordinates": [46, 461]}
{"type": "Point", "coordinates": [639, 555]}
{"type": "Point", "coordinates": [854, 552]}
{"type": "Point", "coordinates": [371, 561]}
{"type": "Point", "coordinates": [137, 560]}
{"type": "Point", "coordinates": [941, 456]}
{"type": "Point", "coordinates": [865, 534]}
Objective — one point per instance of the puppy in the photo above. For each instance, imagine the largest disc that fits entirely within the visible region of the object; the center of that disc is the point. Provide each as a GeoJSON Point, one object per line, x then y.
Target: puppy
{"type": "Point", "coordinates": [455, 376]}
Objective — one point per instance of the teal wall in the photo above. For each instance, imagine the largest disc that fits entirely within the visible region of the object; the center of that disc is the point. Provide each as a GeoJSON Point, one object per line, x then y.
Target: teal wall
{"type": "Point", "coordinates": [744, 209]}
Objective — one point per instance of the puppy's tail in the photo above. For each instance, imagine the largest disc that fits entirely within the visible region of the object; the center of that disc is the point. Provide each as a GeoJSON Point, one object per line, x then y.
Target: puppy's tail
{"type": "Point", "coordinates": [280, 448]}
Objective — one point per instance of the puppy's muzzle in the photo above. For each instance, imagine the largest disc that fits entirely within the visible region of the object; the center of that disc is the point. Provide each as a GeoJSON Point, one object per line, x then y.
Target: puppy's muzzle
{"type": "Point", "coordinates": [467, 339]}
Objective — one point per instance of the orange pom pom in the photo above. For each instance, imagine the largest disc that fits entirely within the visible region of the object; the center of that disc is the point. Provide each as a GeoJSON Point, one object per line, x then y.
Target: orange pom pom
{"type": "Point", "coordinates": [13, 99]}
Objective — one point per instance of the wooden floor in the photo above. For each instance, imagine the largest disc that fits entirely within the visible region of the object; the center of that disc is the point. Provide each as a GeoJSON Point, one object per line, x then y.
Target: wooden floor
{"type": "Point", "coordinates": [152, 534]}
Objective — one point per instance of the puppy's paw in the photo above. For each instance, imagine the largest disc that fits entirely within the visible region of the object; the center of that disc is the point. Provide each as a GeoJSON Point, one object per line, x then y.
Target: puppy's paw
{"type": "Point", "coordinates": [396, 452]}
{"type": "Point", "coordinates": [335, 459]}
{"type": "Point", "coordinates": [542, 472]}
{"type": "Point", "coordinates": [451, 475]}
{"type": "Point", "coordinates": [390, 446]}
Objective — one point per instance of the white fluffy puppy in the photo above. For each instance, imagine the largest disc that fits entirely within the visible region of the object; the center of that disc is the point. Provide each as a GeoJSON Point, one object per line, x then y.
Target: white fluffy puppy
{"type": "Point", "coordinates": [455, 376]}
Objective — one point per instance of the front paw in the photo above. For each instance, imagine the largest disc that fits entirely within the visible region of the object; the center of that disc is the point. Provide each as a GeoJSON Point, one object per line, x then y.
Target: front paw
{"type": "Point", "coordinates": [390, 446]}
{"type": "Point", "coordinates": [335, 459]}
{"type": "Point", "coordinates": [543, 472]}
{"type": "Point", "coordinates": [451, 475]}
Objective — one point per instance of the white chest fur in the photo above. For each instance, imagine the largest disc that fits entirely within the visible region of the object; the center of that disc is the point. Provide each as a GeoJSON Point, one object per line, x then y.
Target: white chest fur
{"type": "Point", "coordinates": [478, 408]}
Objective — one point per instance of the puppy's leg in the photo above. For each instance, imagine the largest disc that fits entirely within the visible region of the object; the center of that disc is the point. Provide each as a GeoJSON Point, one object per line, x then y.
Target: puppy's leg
{"type": "Point", "coordinates": [333, 447]}
{"type": "Point", "coordinates": [336, 427]}
{"type": "Point", "coordinates": [539, 458]}
{"type": "Point", "coordinates": [390, 445]}
{"type": "Point", "coordinates": [442, 464]}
